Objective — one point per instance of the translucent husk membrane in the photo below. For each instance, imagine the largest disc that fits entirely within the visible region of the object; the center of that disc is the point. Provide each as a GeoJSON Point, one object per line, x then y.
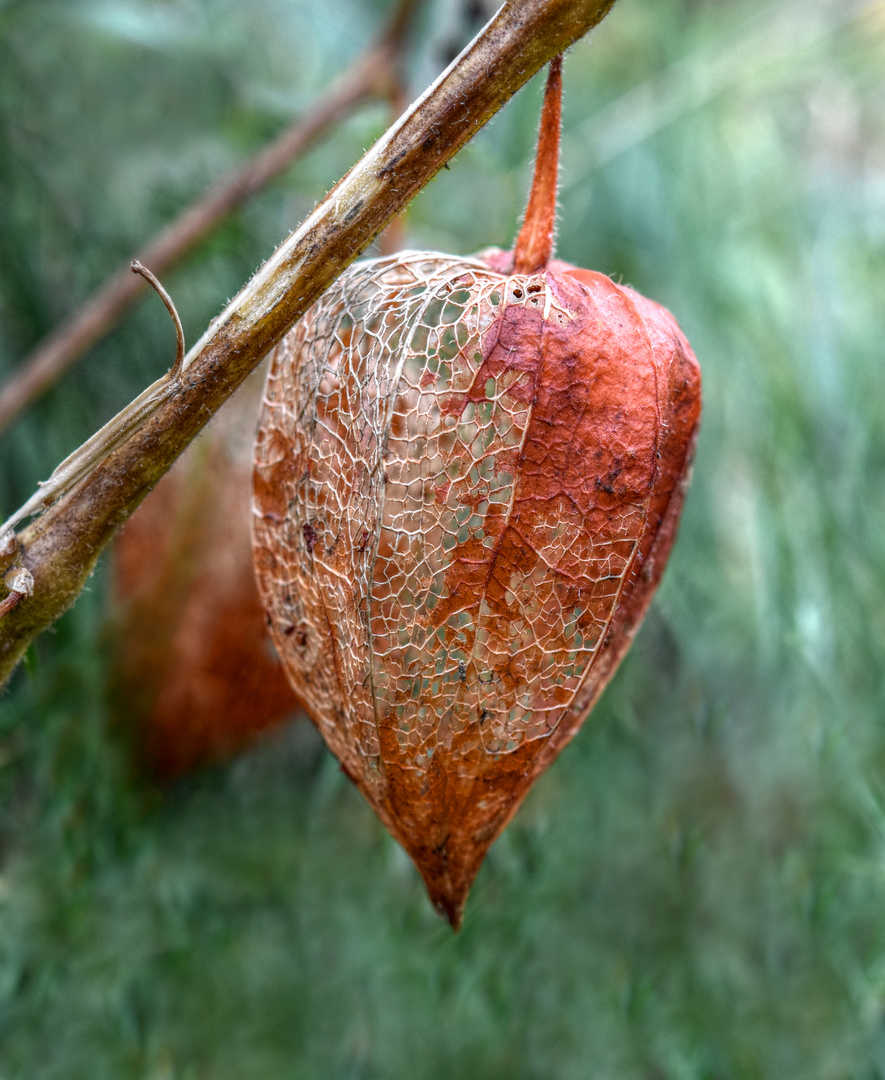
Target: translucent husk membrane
{"type": "Point", "coordinates": [468, 478]}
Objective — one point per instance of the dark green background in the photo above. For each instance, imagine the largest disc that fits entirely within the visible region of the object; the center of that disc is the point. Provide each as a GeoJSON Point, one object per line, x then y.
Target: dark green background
{"type": "Point", "coordinates": [696, 890]}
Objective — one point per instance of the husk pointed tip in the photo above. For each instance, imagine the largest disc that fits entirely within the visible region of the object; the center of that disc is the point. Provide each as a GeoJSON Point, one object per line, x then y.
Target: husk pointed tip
{"type": "Point", "coordinates": [454, 916]}
{"type": "Point", "coordinates": [449, 905]}
{"type": "Point", "coordinates": [448, 872]}
{"type": "Point", "coordinates": [447, 890]}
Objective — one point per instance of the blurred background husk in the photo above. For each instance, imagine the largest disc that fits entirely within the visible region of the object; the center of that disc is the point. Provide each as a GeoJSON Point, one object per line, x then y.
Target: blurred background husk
{"type": "Point", "coordinates": [697, 888]}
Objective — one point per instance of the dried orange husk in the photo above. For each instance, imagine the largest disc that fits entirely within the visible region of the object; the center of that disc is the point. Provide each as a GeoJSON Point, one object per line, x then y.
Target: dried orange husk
{"type": "Point", "coordinates": [196, 677]}
{"type": "Point", "coordinates": [467, 483]}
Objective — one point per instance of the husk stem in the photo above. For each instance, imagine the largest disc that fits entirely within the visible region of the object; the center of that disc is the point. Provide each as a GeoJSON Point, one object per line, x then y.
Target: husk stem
{"type": "Point", "coordinates": [534, 245]}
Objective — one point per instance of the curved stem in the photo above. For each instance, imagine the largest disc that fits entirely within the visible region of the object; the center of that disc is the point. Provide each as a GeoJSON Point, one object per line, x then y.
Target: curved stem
{"type": "Point", "coordinates": [534, 245]}
{"type": "Point", "coordinates": [154, 282]}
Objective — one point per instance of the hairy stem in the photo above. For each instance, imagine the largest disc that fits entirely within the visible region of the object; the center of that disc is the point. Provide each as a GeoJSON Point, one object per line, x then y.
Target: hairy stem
{"type": "Point", "coordinates": [61, 546]}
{"type": "Point", "coordinates": [534, 245]}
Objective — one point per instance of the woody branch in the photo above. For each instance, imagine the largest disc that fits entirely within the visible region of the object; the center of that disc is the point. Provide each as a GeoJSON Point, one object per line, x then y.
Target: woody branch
{"type": "Point", "coordinates": [100, 485]}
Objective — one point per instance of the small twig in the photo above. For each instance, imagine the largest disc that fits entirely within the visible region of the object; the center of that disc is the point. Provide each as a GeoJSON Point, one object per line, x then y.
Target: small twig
{"type": "Point", "coordinates": [113, 434]}
{"type": "Point", "coordinates": [11, 601]}
{"type": "Point", "coordinates": [61, 547]}
{"type": "Point", "coordinates": [137, 268]}
{"type": "Point", "coordinates": [368, 77]}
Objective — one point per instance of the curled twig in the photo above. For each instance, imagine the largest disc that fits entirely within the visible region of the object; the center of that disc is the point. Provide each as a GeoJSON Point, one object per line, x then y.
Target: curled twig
{"type": "Point", "coordinates": [136, 268]}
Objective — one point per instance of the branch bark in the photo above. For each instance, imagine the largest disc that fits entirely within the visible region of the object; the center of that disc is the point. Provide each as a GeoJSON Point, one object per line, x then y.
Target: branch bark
{"type": "Point", "coordinates": [371, 75]}
{"type": "Point", "coordinates": [99, 486]}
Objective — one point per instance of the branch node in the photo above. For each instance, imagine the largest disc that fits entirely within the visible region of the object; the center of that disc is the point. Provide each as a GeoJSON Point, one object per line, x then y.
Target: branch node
{"type": "Point", "coordinates": [137, 268]}
{"type": "Point", "coordinates": [20, 582]}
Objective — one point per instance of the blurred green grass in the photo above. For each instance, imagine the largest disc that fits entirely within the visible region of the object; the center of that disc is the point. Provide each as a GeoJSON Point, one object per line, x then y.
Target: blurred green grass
{"type": "Point", "coordinates": [696, 890]}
